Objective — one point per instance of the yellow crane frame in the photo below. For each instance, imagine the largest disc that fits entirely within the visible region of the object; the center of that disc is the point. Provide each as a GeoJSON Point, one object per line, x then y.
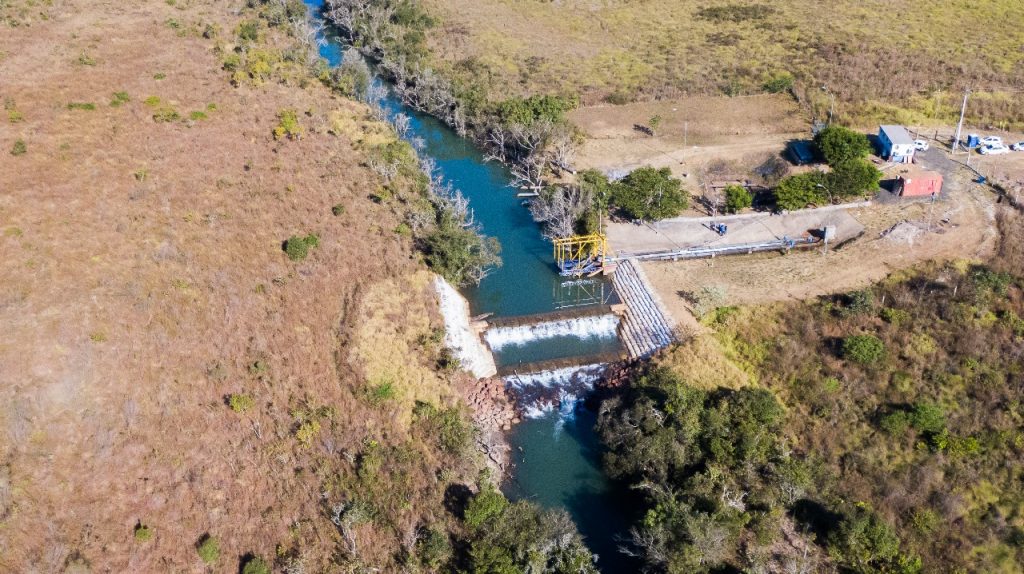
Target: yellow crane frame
{"type": "Point", "coordinates": [572, 254]}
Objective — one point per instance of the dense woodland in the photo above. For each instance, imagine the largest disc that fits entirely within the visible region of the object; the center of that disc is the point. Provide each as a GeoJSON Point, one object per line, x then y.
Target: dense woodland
{"type": "Point", "coordinates": [883, 432]}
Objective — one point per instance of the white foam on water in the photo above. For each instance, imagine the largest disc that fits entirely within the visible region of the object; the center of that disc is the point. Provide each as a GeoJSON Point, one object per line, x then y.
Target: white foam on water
{"type": "Point", "coordinates": [602, 326]}
{"type": "Point", "coordinates": [587, 375]}
{"type": "Point", "coordinates": [538, 410]}
{"type": "Point", "coordinates": [459, 336]}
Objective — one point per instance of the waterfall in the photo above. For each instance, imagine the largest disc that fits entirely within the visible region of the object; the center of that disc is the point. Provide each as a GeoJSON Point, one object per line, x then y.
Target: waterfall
{"type": "Point", "coordinates": [547, 391]}
{"type": "Point", "coordinates": [459, 336]}
{"type": "Point", "coordinates": [603, 326]}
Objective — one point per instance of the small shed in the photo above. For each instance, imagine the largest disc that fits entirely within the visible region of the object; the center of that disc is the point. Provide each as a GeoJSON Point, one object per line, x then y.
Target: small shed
{"type": "Point", "coordinates": [801, 152]}
{"type": "Point", "coordinates": [895, 144]}
{"type": "Point", "coordinates": [918, 183]}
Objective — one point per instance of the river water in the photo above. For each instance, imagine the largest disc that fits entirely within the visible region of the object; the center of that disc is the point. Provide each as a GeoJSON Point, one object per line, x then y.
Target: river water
{"type": "Point", "coordinates": [556, 452]}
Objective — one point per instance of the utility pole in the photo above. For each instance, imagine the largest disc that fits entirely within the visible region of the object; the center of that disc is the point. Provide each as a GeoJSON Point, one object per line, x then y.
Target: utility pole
{"type": "Point", "coordinates": [960, 125]}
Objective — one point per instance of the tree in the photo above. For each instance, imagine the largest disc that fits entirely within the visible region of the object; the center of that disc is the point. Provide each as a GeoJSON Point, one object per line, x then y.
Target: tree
{"type": "Point", "coordinates": [852, 178]}
{"type": "Point", "coordinates": [460, 254]}
{"type": "Point", "coordinates": [839, 145]}
{"type": "Point", "coordinates": [865, 543]}
{"type": "Point", "coordinates": [650, 194]}
{"type": "Point", "coordinates": [796, 191]}
{"type": "Point", "coordinates": [737, 198]}
{"type": "Point", "coordinates": [560, 209]}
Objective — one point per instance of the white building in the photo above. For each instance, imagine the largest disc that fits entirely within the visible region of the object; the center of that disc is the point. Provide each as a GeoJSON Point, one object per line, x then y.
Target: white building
{"type": "Point", "coordinates": [896, 144]}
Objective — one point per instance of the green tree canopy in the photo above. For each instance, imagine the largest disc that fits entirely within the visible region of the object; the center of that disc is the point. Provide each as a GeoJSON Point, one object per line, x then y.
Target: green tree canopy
{"type": "Point", "coordinates": [863, 349]}
{"type": "Point", "coordinates": [650, 194]}
{"type": "Point", "coordinates": [796, 191]}
{"type": "Point", "coordinates": [839, 145]}
{"type": "Point", "coordinates": [852, 178]}
{"type": "Point", "coordinates": [737, 198]}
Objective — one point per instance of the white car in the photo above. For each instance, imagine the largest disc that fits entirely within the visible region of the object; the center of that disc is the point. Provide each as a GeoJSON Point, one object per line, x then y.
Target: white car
{"type": "Point", "coordinates": [921, 145]}
{"type": "Point", "coordinates": [994, 149]}
{"type": "Point", "coordinates": [1019, 146]}
{"type": "Point", "coordinates": [991, 140]}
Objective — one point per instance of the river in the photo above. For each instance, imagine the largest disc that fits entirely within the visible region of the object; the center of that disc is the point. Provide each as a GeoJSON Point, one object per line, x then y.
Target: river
{"type": "Point", "coordinates": [556, 453]}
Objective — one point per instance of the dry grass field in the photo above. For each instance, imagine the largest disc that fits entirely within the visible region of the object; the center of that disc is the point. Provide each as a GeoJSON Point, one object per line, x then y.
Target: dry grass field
{"type": "Point", "coordinates": [904, 63]}
{"type": "Point", "coordinates": [144, 282]}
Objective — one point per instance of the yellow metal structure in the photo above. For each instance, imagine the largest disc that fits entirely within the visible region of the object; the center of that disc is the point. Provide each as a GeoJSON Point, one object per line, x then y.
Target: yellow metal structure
{"type": "Point", "coordinates": [580, 254]}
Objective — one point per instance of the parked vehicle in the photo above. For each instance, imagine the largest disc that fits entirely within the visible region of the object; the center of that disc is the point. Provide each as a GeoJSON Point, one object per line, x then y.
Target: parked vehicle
{"type": "Point", "coordinates": [921, 145]}
{"type": "Point", "coordinates": [1019, 146]}
{"type": "Point", "coordinates": [994, 149]}
{"type": "Point", "coordinates": [991, 140]}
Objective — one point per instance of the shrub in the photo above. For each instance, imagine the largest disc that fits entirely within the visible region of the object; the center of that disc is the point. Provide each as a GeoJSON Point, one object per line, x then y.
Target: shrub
{"type": "Point", "coordinates": [208, 549]}
{"type": "Point", "coordinates": [737, 198]}
{"type": "Point", "coordinates": [895, 423]}
{"type": "Point", "coordinates": [650, 194]}
{"type": "Point", "coordinates": [797, 191]}
{"type": "Point", "coordinates": [839, 145]}
{"type": "Point", "coordinates": [338, 210]}
{"type": "Point", "coordinates": [19, 147]}
{"type": "Point", "coordinates": [894, 317]}
{"type": "Point", "coordinates": [241, 402]}
{"type": "Point", "coordinates": [863, 349]}
{"type": "Point", "coordinates": [288, 125]}
{"type": "Point", "coordinates": [88, 106]}
{"type": "Point", "coordinates": [380, 393]}
{"type": "Point", "coordinates": [526, 111]}
{"type": "Point", "coordinates": [297, 248]}
{"type": "Point", "coordinates": [306, 432]}
{"type": "Point", "coordinates": [197, 115]}
{"type": "Point", "coordinates": [781, 82]}
{"type": "Point", "coordinates": [487, 505]}
{"type": "Point", "coordinates": [152, 101]}
{"type": "Point", "coordinates": [166, 114]}
{"type": "Point", "coordinates": [459, 254]}
{"type": "Point", "coordinates": [255, 565]}
{"type": "Point", "coordinates": [119, 99]}
{"type": "Point", "coordinates": [159, 76]}
{"type": "Point", "coordinates": [928, 417]}
{"type": "Point", "coordinates": [433, 549]}
{"type": "Point", "coordinates": [143, 533]}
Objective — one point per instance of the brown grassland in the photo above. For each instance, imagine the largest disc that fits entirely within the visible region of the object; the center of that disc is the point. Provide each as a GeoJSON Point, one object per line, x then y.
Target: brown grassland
{"type": "Point", "coordinates": [903, 63]}
{"type": "Point", "coordinates": [144, 283]}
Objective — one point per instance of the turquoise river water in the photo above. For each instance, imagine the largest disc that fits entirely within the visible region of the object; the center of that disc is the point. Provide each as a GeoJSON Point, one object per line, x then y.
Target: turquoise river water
{"type": "Point", "coordinates": [556, 455]}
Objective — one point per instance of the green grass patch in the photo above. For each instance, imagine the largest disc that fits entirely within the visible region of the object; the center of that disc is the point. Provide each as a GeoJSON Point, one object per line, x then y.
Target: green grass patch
{"type": "Point", "coordinates": [88, 106]}
{"type": "Point", "coordinates": [118, 99]}
{"type": "Point", "coordinates": [19, 147]}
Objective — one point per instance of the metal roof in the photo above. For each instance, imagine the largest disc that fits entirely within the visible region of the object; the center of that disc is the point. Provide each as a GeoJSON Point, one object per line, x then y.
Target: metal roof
{"type": "Point", "coordinates": [898, 135]}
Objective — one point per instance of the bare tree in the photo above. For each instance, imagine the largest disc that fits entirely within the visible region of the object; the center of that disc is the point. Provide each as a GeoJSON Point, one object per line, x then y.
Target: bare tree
{"type": "Point", "coordinates": [559, 209]}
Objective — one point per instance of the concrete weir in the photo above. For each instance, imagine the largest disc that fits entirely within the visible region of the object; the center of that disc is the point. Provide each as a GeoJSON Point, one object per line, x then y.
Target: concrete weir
{"type": "Point", "coordinates": [645, 326]}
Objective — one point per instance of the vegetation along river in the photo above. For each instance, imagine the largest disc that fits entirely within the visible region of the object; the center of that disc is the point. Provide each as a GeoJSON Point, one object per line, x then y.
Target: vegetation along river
{"type": "Point", "coordinates": [556, 451]}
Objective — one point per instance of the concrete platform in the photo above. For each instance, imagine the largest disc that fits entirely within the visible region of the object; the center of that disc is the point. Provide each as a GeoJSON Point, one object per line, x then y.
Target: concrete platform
{"type": "Point", "coordinates": [628, 239]}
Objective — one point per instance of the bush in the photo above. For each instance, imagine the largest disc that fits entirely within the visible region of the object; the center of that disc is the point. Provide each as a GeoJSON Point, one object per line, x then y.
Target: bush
{"type": "Point", "coordinates": [863, 349]}
{"type": "Point", "coordinates": [306, 432]}
{"type": "Point", "coordinates": [797, 191]}
{"type": "Point", "coordinates": [241, 402]}
{"type": "Point", "coordinates": [839, 145]}
{"type": "Point", "coordinates": [928, 417]}
{"type": "Point", "coordinates": [255, 565]}
{"type": "Point", "coordinates": [433, 549]}
{"type": "Point", "coordinates": [143, 533]}
{"type": "Point", "coordinates": [19, 147]}
{"type": "Point", "coordinates": [208, 549]}
{"type": "Point", "coordinates": [895, 423]}
{"type": "Point", "coordinates": [338, 210]}
{"type": "Point", "coordinates": [487, 505]}
{"type": "Point", "coordinates": [380, 393]}
{"type": "Point", "coordinates": [119, 99]}
{"type": "Point", "coordinates": [297, 248]}
{"type": "Point", "coordinates": [88, 106]}
{"type": "Point", "coordinates": [166, 114]}
{"type": "Point", "coordinates": [781, 82]}
{"type": "Point", "coordinates": [737, 198]}
{"type": "Point", "coordinates": [650, 194]}
{"type": "Point", "coordinates": [288, 125]}
{"type": "Point", "coordinates": [459, 254]}
{"type": "Point", "coordinates": [526, 111]}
